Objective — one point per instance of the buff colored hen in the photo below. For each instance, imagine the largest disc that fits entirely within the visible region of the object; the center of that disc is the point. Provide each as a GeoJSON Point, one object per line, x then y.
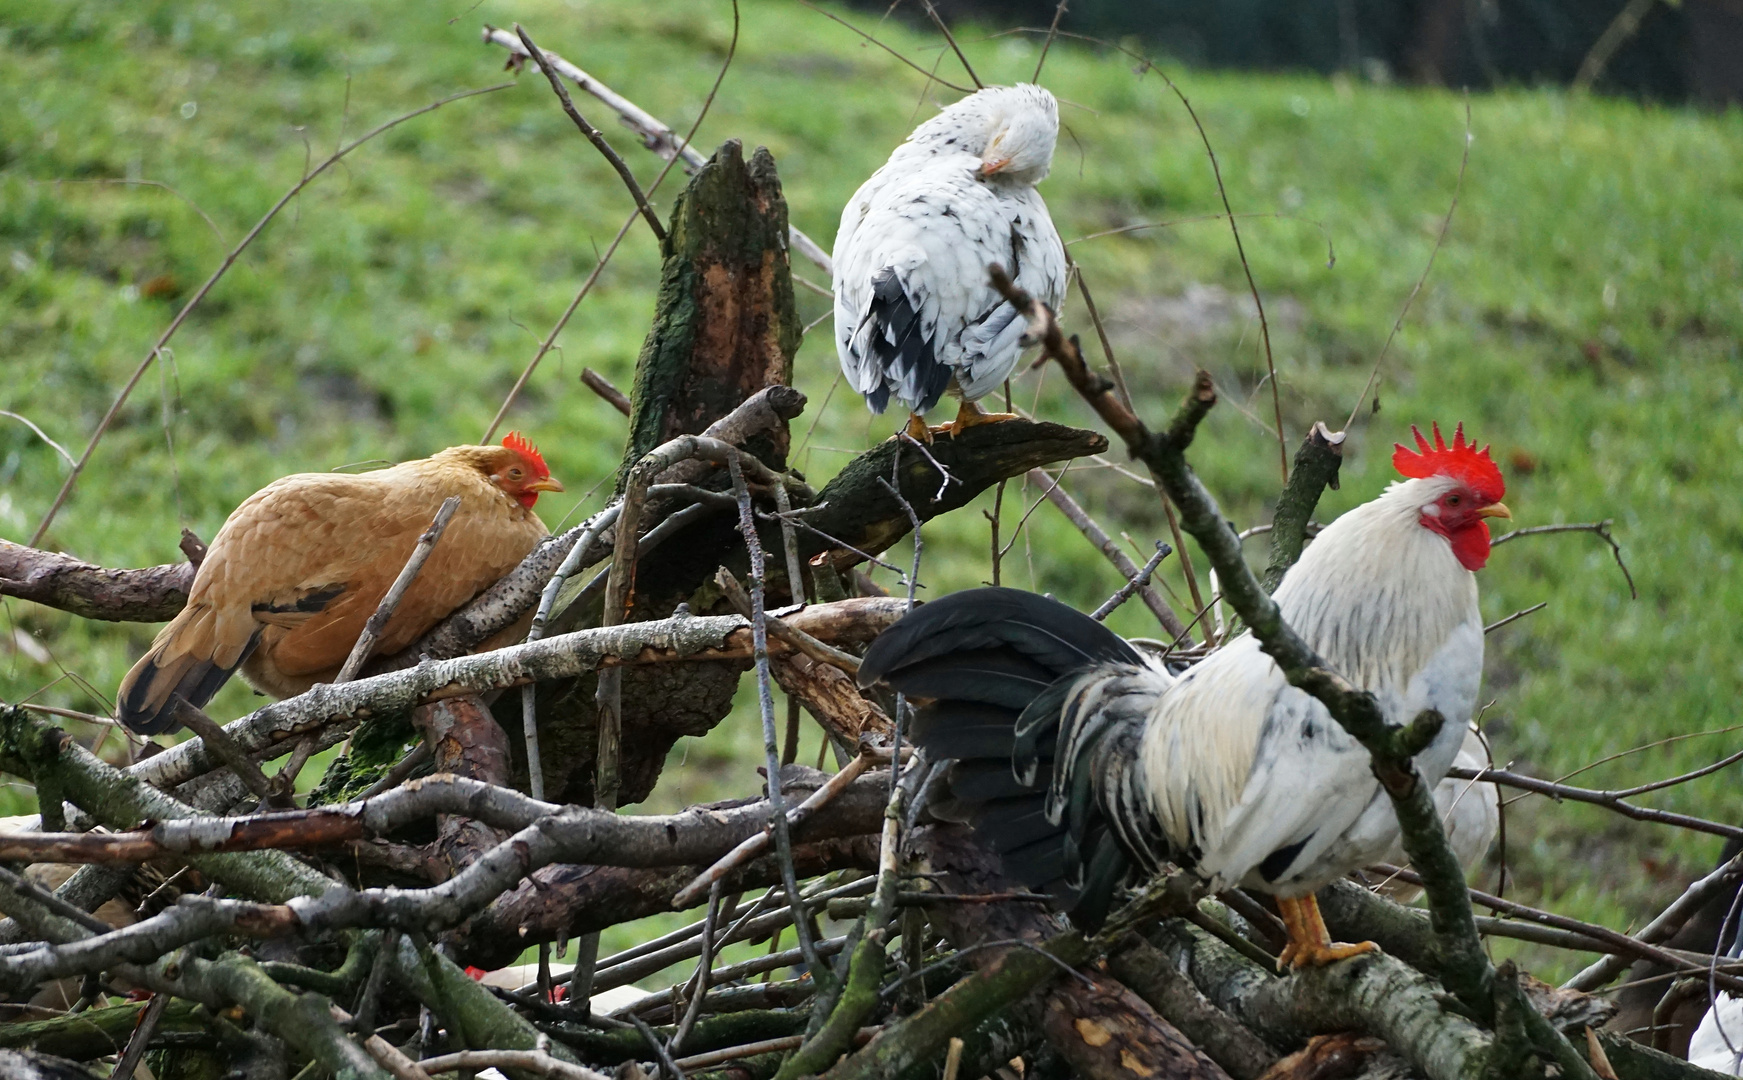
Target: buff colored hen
{"type": "Point", "coordinates": [298, 568]}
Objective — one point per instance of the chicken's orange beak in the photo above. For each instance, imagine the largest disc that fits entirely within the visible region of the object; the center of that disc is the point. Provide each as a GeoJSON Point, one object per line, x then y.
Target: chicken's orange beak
{"type": "Point", "coordinates": [1495, 510]}
{"type": "Point", "coordinates": [994, 165]}
{"type": "Point", "coordinates": [545, 483]}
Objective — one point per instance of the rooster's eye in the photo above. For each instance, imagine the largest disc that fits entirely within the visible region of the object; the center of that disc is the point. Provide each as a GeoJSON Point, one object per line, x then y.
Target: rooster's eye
{"type": "Point", "coordinates": [1452, 500]}
{"type": "Point", "coordinates": [515, 473]}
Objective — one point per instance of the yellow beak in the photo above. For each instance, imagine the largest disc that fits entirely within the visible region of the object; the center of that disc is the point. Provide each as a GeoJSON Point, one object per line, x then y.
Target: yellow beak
{"type": "Point", "coordinates": [549, 483]}
{"type": "Point", "coordinates": [1496, 510]}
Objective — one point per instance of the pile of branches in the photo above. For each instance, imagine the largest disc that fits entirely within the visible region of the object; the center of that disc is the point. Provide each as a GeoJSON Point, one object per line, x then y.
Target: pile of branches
{"type": "Point", "coordinates": [238, 933]}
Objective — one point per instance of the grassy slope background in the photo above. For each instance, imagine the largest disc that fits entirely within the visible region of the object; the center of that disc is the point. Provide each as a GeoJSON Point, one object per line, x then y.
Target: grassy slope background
{"type": "Point", "coordinates": [1584, 315]}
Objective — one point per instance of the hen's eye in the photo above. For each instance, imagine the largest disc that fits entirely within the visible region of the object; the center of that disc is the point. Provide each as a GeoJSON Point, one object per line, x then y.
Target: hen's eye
{"type": "Point", "coordinates": [1452, 500]}
{"type": "Point", "coordinates": [515, 473]}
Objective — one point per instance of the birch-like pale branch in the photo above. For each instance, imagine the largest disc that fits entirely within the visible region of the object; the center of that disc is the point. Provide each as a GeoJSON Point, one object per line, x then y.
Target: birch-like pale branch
{"type": "Point", "coordinates": [682, 637]}
{"type": "Point", "coordinates": [654, 133]}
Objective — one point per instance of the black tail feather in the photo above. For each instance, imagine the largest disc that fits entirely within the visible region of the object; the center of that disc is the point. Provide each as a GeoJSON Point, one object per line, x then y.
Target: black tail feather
{"type": "Point", "coordinates": [992, 670]}
{"type": "Point", "coordinates": [144, 706]}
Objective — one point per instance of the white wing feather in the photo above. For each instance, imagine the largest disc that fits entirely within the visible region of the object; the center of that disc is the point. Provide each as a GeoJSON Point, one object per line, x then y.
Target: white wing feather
{"type": "Point", "coordinates": [938, 227]}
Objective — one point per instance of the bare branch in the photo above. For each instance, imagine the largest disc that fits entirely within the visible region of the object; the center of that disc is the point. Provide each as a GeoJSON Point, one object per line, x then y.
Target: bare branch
{"type": "Point", "coordinates": [654, 134]}
{"type": "Point", "coordinates": [1598, 528]}
{"type": "Point", "coordinates": [592, 133]}
{"type": "Point", "coordinates": [600, 385]}
{"type": "Point", "coordinates": [390, 603]}
{"type": "Point", "coordinates": [1612, 800]}
{"type": "Point", "coordinates": [1093, 532]}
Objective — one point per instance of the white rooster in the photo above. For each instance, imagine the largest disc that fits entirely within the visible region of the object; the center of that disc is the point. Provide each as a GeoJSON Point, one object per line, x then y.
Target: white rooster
{"type": "Point", "coordinates": [915, 314]}
{"type": "Point", "coordinates": [1080, 760]}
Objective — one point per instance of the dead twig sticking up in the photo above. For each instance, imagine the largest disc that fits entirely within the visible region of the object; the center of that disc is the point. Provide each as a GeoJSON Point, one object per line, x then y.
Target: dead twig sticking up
{"type": "Point", "coordinates": [766, 701]}
{"type": "Point", "coordinates": [593, 136]}
{"type": "Point", "coordinates": [390, 603]}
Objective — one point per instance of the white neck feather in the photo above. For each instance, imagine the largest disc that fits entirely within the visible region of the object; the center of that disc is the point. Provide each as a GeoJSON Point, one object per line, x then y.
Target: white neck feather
{"type": "Point", "coordinates": [1376, 594]}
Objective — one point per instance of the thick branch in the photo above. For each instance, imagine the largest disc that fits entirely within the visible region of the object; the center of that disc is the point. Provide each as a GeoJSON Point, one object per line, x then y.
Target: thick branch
{"type": "Point", "coordinates": [1377, 994]}
{"type": "Point", "coordinates": [149, 594]}
{"type": "Point", "coordinates": [681, 638]}
{"type": "Point", "coordinates": [855, 511]}
{"type": "Point", "coordinates": [1316, 468]}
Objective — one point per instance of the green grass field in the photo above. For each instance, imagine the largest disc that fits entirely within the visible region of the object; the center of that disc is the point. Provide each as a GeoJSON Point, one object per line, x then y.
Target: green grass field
{"type": "Point", "coordinates": [1584, 315]}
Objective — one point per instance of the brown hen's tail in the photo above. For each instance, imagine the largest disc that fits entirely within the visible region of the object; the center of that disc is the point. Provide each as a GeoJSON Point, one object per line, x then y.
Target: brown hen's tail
{"type": "Point", "coordinates": [185, 661]}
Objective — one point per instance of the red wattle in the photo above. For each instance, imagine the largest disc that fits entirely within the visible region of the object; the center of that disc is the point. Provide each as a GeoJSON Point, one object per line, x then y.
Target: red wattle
{"type": "Point", "coordinates": [528, 498]}
{"type": "Point", "coordinates": [1470, 545]}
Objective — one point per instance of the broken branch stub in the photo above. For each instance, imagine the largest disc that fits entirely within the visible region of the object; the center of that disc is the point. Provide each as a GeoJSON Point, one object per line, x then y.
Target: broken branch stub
{"type": "Point", "coordinates": [725, 325]}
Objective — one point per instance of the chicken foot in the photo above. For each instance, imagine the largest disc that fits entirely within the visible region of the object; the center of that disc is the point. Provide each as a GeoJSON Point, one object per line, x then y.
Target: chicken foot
{"type": "Point", "coordinates": [1310, 944]}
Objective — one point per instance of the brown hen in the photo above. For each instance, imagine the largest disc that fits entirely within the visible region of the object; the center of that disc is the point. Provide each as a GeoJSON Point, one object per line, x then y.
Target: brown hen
{"type": "Point", "coordinates": [298, 568]}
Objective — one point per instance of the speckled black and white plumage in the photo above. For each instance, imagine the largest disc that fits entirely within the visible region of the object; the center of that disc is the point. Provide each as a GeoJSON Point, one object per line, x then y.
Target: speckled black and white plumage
{"type": "Point", "coordinates": [915, 312]}
{"type": "Point", "coordinates": [1080, 760]}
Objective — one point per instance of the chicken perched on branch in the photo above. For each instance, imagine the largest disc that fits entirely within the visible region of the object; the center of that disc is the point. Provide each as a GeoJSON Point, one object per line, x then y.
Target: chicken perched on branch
{"type": "Point", "coordinates": [1082, 760]}
{"type": "Point", "coordinates": [915, 316]}
{"type": "Point", "coordinates": [299, 567]}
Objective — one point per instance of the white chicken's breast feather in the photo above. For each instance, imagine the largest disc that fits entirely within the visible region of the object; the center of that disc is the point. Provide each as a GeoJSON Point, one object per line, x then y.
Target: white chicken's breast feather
{"type": "Point", "coordinates": [1253, 774]}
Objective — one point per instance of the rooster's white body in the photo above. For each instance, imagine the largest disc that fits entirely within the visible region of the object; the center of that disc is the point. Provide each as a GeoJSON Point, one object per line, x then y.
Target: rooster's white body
{"type": "Point", "coordinates": [1245, 768]}
{"type": "Point", "coordinates": [1080, 759]}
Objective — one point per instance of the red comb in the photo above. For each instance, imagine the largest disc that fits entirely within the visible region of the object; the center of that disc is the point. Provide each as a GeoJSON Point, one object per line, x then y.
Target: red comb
{"type": "Point", "coordinates": [1462, 461]}
{"type": "Point", "coordinates": [517, 442]}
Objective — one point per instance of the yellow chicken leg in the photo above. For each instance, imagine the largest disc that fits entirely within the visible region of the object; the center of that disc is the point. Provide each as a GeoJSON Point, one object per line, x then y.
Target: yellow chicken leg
{"type": "Point", "coordinates": [970, 415]}
{"type": "Point", "coordinates": [917, 429]}
{"type": "Point", "coordinates": [1310, 944]}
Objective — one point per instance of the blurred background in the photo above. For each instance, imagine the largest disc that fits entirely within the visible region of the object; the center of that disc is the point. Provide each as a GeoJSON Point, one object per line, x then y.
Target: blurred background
{"type": "Point", "coordinates": [1668, 50]}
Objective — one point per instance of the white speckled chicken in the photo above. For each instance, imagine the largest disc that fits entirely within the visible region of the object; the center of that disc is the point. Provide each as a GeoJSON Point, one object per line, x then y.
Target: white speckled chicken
{"type": "Point", "coordinates": [915, 313]}
{"type": "Point", "coordinates": [1081, 760]}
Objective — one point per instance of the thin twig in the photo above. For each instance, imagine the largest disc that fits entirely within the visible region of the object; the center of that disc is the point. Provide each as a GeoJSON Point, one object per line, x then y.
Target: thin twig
{"type": "Point", "coordinates": [599, 267]}
{"type": "Point", "coordinates": [1668, 922]}
{"type": "Point", "coordinates": [200, 294]}
{"type": "Point", "coordinates": [765, 699]}
{"type": "Point", "coordinates": [932, 76]}
{"type": "Point", "coordinates": [1600, 529]}
{"type": "Point", "coordinates": [390, 603]}
{"type": "Point", "coordinates": [1125, 591]}
{"type": "Point", "coordinates": [1610, 800]}
{"type": "Point", "coordinates": [1095, 534]}
{"type": "Point", "coordinates": [141, 1038]}
{"type": "Point", "coordinates": [1101, 331]}
{"type": "Point", "coordinates": [547, 601]}
{"type": "Point", "coordinates": [43, 435]}
{"type": "Point", "coordinates": [223, 747]}
{"type": "Point", "coordinates": [1601, 934]}
{"type": "Point", "coordinates": [1440, 239]}
{"type": "Point", "coordinates": [543, 60]}
{"type": "Point", "coordinates": [698, 988]}
{"type": "Point", "coordinates": [756, 845]}
{"type": "Point", "coordinates": [1517, 615]}
{"type": "Point", "coordinates": [950, 39]}
{"type": "Point", "coordinates": [104, 180]}
{"type": "Point", "coordinates": [1052, 32]}
{"type": "Point", "coordinates": [655, 134]}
